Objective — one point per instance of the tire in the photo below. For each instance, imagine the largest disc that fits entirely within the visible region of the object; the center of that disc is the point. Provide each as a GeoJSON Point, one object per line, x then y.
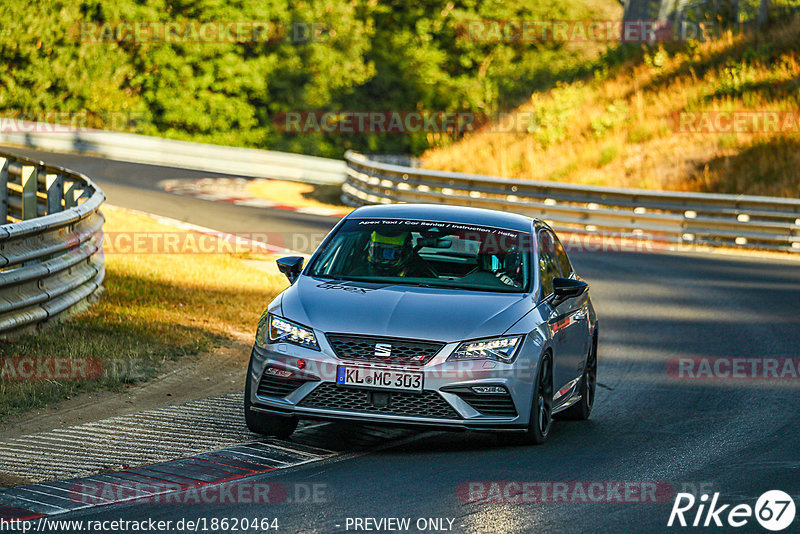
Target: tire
{"type": "Point", "coordinates": [264, 423]}
{"type": "Point", "coordinates": [541, 418]}
{"type": "Point", "coordinates": [581, 410]}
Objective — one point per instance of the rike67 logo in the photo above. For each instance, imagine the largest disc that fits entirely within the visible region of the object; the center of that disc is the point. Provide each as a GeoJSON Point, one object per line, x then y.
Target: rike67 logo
{"type": "Point", "coordinates": [774, 510]}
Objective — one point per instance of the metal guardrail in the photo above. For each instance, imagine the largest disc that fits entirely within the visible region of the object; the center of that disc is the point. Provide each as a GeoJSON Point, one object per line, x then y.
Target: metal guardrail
{"type": "Point", "coordinates": [714, 15]}
{"type": "Point", "coordinates": [51, 253]}
{"type": "Point", "coordinates": [135, 148]}
{"type": "Point", "coordinates": [663, 216]}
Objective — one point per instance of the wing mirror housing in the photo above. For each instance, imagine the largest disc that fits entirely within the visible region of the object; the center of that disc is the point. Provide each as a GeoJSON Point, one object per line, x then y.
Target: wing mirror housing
{"type": "Point", "coordinates": [566, 288]}
{"type": "Point", "coordinates": [290, 266]}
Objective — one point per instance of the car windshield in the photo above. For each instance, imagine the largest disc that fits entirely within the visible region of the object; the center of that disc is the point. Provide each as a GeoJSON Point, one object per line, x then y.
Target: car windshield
{"type": "Point", "coordinates": [427, 254]}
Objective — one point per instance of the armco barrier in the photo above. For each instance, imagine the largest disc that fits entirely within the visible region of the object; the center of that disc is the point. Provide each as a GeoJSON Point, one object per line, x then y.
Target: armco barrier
{"type": "Point", "coordinates": [681, 218]}
{"type": "Point", "coordinates": [51, 241]}
{"type": "Point", "coordinates": [171, 153]}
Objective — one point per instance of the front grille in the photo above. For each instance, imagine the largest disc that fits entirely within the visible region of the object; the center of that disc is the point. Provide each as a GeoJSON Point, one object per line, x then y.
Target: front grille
{"type": "Point", "coordinates": [333, 397]}
{"type": "Point", "coordinates": [498, 405]}
{"type": "Point", "coordinates": [402, 351]}
{"type": "Point", "coordinates": [276, 386]}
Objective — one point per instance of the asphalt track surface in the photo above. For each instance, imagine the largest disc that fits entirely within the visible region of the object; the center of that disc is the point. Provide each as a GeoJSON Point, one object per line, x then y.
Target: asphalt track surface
{"type": "Point", "coordinates": [739, 437]}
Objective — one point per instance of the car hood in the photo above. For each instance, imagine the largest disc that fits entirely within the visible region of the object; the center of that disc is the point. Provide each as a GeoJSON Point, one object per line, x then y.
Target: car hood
{"type": "Point", "coordinates": [401, 311]}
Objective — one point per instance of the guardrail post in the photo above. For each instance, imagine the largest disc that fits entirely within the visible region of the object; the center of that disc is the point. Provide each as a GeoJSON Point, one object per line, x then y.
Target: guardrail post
{"type": "Point", "coordinates": [69, 194]}
{"type": "Point", "coordinates": [30, 177]}
{"type": "Point", "coordinates": [54, 184]}
{"type": "Point", "coordinates": [3, 190]}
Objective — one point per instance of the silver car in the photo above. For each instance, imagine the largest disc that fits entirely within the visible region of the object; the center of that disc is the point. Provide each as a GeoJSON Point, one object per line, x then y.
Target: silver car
{"type": "Point", "coordinates": [434, 316]}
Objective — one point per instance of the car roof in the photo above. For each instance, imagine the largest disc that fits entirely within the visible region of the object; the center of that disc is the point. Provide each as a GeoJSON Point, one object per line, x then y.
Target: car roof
{"type": "Point", "coordinates": [452, 214]}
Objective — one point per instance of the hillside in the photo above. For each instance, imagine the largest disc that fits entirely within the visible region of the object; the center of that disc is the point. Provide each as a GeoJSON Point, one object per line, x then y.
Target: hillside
{"type": "Point", "coordinates": [224, 72]}
{"type": "Point", "coordinates": [623, 127]}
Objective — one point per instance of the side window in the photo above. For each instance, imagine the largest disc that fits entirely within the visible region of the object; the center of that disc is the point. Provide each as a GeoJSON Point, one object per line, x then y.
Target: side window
{"type": "Point", "coordinates": [548, 262]}
{"type": "Point", "coordinates": [563, 260]}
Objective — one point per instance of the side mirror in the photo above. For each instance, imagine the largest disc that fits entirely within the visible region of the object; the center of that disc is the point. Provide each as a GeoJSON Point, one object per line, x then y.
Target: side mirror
{"type": "Point", "coordinates": [566, 288]}
{"type": "Point", "coordinates": [290, 266]}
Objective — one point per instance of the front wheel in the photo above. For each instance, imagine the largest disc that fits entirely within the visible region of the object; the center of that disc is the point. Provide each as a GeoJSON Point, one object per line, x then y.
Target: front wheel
{"type": "Point", "coordinates": [542, 406]}
{"type": "Point", "coordinates": [265, 423]}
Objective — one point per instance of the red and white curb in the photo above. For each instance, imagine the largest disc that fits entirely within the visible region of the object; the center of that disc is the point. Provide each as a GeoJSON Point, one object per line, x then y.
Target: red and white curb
{"type": "Point", "coordinates": [234, 191]}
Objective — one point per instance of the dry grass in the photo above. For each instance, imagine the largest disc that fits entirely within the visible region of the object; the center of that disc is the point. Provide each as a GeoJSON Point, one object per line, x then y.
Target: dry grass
{"type": "Point", "coordinates": [618, 129]}
{"type": "Point", "coordinates": [156, 307]}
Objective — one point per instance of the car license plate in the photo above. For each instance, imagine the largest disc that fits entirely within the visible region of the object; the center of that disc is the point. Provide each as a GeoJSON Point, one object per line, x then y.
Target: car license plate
{"type": "Point", "coordinates": [373, 377]}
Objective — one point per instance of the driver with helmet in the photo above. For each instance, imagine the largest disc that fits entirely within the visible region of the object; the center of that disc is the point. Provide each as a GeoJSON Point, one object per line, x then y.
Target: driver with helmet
{"type": "Point", "coordinates": [391, 253]}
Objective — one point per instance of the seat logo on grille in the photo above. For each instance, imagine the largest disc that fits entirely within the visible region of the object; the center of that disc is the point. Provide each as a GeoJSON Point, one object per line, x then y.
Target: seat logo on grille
{"type": "Point", "coordinates": [383, 350]}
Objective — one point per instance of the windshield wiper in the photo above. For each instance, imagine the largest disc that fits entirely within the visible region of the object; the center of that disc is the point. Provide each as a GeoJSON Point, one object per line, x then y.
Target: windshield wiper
{"type": "Point", "coordinates": [342, 278]}
{"type": "Point", "coordinates": [474, 288]}
{"type": "Point", "coordinates": [426, 285]}
{"type": "Point", "coordinates": [442, 286]}
{"type": "Point", "coordinates": [337, 277]}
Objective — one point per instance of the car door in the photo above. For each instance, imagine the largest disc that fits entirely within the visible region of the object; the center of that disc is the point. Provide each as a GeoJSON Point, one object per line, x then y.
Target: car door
{"type": "Point", "coordinates": [577, 329]}
{"type": "Point", "coordinates": [566, 343]}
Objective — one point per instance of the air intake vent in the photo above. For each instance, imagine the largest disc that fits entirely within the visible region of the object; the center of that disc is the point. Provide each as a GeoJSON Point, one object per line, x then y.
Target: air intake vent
{"type": "Point", "coordinates": [491, 404]}
{"type": "Point", "coordinates": [383, 349]}
{"type": "Point", "coordinates": [276, 386]}
{"type": "Point", "coordinates": [332, 397]}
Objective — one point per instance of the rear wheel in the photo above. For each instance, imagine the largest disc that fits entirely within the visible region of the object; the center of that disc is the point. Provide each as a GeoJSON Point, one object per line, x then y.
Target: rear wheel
{"type": "Point", "coordinates": [581, 410]}
{"type": "Point", "coordinates": [542, 406]}
{"type": "Point", "coordinates": [265, 423]}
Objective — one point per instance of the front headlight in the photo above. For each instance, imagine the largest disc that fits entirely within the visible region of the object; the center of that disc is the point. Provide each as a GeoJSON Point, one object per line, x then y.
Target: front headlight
{"type": "Point", "coordinates": [281, 330]}
{"type": "Point", "coordinates": [502, 349]}
{"type": "Point", "coordinates": [261, 329]}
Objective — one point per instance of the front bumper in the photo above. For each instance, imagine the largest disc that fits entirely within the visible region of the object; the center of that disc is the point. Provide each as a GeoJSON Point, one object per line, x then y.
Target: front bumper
{"type": "Point", "coordinates": [280, 386]}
